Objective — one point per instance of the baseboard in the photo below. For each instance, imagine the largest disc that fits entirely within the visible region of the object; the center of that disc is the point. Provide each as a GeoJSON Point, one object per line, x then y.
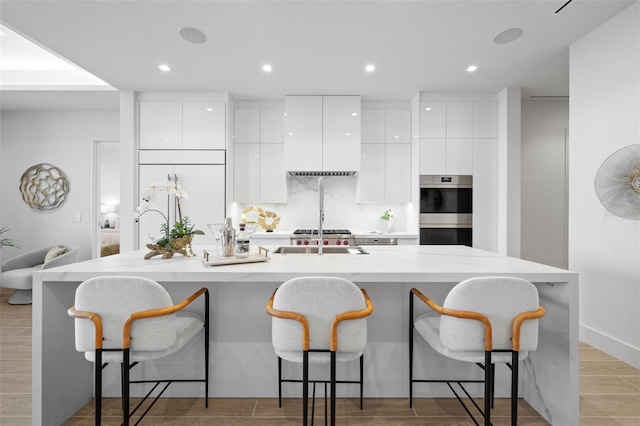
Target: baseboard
{"type": "Point", "coordinates": [610, 345]}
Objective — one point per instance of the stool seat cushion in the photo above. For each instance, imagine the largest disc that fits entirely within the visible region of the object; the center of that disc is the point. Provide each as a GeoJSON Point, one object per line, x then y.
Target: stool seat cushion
{"type": "Point", "coordinates": [188, 324]}
{"type": "Point", "coordinates": [428, 327]}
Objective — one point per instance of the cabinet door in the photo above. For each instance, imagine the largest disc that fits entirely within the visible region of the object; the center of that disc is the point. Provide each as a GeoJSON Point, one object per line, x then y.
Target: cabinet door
{"type": "Point", "coordinates": [485, 120]}
{"type": "Point", "coordinates": [398, 126]}
{"type": "Point", "coordinates": [485, 194]}
{"type": "Point", "coordinates": [459, 120]}
{"type": "Point", "coordinates": [373, 126]}
{"type": "Point", "coordinates": [398, 173]}
{"type": "Point", "coordinates": [272, 126]}
{"type": "Point", "coordinates": [303, 133]}
{"type": "Point", "coordinates": [160, 125]}
{"type": "Point", "coordinates": [341, 133]}
{"type": "Point", "coordinates": [433, 120]}
{"type": "Point", "coordinates": [459, 156]}
{"type": "Point", "coordinates": [205, 184]}
{"type": "Point", "coordinates": [246, 172]}
{"type": "Point", "coordinates": [273, 176]}
{"type": "Point", "coordinates": [246, 126]}
{"type": "Point", "coordinates": [371, 178]}
{"type": "Point", "coordinates": [433, 156]}
{"type": "Point", "coordinates": [203, 125]}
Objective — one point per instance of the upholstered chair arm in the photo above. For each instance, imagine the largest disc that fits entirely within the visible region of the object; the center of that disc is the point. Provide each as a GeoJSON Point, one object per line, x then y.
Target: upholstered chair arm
{"type": "Point", "coordinates": [292, 316]}
{"type": "Point", "coordinates": [517, 325]}
{"type": "Point", "coordinates": [95, 318]}
{"type": "Point", "coordinates": [488, 334]}
{"type": "Point", "coordinates": [126, 329]}
{"type": "Point", "coordinates": [25, 260]}
{"type": "Point", "coordinates": [346, 316]}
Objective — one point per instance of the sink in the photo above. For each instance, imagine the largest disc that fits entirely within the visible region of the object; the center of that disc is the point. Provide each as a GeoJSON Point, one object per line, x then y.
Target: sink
{"type": "Point", "coordinates": [314, 250]}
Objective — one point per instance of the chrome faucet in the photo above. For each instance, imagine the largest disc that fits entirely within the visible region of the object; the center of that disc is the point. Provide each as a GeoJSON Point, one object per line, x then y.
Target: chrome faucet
{"type": "Point", "coordinates": [321, 202]}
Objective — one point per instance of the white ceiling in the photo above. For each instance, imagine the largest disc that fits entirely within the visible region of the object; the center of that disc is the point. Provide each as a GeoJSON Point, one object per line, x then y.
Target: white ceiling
{"type": "Point", "coordinates": [315, 47]}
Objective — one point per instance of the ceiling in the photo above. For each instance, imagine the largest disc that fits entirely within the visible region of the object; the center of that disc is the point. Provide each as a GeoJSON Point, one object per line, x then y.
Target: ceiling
{"type": "Point", "coordinates": [314, 47]}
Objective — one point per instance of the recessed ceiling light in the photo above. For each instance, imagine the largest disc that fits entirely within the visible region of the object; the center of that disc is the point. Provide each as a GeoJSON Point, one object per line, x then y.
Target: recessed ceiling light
{"type": "Point", "coordinates": [370, 68]}
{"type": "Point", "coordinates": [267, 68]}
{"type": "Point", "coordinates": [472, 68]}
{"type": "Point", "coordinates": [192, 35]}
{"type": "Point", "coordinates": [354, 114]}
{"type": "Point", "coordinates": [427, 109]}
{"type": "Point", "coordinates": [209, 109]}
{"type": "Point", "coordinates": [507, 36]}
{"type": "Point", "coordinates": [164, 67]}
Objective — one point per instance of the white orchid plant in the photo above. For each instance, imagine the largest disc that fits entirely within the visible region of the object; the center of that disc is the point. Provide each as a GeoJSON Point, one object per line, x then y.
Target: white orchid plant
{"type": "Point", "coordinates": [183, 227]}
{"type": "Point", "coordinates": [389, 215]}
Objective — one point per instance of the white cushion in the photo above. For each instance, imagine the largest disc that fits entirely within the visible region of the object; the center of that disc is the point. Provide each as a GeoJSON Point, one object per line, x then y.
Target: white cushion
{"type": "Point", "coordinates": [21, 279]}
{"type": "Point", "coordinates": [188, 324]}
{"type": "Point", "coordinates": [319, 299]}
{"type": "Point", "coordinates": [429, 328]}
{"type": "Point", "coordinates": [53, 253]}
{"type": "Point", "coordinates": [500, 299]}
{"type": "Point", "coordinates": [115, 299]}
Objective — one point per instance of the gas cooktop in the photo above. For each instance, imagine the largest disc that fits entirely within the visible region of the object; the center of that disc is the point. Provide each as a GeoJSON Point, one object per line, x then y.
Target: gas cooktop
{"type": "Point", "coordinates": [324, 232]}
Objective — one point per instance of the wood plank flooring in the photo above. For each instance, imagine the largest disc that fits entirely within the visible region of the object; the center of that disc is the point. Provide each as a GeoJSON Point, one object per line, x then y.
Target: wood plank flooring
{"type": "Point", "coordinates": [609, 395]}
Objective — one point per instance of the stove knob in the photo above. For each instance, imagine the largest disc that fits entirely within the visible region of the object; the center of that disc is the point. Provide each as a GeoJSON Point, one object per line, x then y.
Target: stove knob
{"type": "Point", "coordinates": [346, 242]}
{"type": "Point", "coordinates": [298, 242]}
{"type": "Point", "coordinates": [338, 242]}
{"type": "Point", "coordinates": [306, 242]}
{"type": "Point", "coordinates": [326, 243]}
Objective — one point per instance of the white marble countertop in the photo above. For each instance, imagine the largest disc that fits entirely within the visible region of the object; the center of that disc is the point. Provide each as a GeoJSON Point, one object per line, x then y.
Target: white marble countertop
{"type": "Point", "coordinates": [287, 234]}
{"type": "Point", "coordinates": [410, 263]}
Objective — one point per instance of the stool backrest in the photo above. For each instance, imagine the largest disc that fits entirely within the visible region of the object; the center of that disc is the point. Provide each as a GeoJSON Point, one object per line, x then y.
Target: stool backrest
{"type": "Point", "coordinates": [319, 299]}
{"type": "Point", "coordinates": [498, 298]}
{"type": "Point", "coordinates": [115, 299]}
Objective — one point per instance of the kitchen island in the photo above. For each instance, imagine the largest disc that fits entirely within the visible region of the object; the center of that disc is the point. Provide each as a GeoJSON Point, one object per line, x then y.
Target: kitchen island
{"type": "Point", "coordinates": [243, 363]}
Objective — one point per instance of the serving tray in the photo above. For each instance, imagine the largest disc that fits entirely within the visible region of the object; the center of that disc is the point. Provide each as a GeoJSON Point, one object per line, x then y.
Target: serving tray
{"type": "Point", "coordinates": [210, 260]}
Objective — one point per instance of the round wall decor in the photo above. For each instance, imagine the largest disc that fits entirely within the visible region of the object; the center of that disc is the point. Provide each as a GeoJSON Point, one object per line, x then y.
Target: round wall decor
{"type": "Point", "coordinates": [44, 187]}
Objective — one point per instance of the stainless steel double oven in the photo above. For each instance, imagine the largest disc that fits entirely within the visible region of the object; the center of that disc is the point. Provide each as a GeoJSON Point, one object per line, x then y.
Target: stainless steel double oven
{"type": "Point", "coordinates": [446, 210]}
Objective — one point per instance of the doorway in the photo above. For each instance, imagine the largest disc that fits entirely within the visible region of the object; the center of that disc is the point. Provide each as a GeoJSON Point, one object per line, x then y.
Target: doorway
{"type": "Point", "coordinates": [106, 199]}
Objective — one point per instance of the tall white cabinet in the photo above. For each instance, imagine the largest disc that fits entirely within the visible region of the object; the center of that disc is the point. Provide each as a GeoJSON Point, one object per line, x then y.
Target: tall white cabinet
{"type": "Point", "coordinates": [459, 136]}
{"type": "Point", "coordinates": [385, 174]}
{"type": "Point", "coordinates": [259, 175]}
{"type": "Point", "coordinates": [182, 137]}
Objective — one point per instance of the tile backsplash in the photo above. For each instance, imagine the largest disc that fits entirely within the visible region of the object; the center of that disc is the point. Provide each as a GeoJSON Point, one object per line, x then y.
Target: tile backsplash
{"type": "Point", "coordinates": [341, 209]}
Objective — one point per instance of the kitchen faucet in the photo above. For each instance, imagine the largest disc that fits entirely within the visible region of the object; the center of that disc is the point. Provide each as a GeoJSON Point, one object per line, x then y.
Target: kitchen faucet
{"type": "Point", "coordinates": [321, 203]}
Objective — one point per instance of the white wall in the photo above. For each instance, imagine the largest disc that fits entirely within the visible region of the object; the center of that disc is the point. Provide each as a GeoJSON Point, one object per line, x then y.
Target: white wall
{"type": "Point", "coordinates": [61, 138]}
{"type": "Point", "coordinates": [605, 249]}
{"type": "Point", "coordinates": [544, 194]}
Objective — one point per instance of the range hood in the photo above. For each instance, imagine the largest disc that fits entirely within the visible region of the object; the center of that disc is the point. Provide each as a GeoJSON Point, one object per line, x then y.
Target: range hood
{"type": "Point", "coordinates": [321, 173]}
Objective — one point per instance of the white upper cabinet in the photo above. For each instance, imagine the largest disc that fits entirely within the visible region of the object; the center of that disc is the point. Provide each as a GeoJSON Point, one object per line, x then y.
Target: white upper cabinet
{"type": "Point", "coordinates": [385, 174]}
{"type": "Point", "coordinates": [371, 178]}
{"type": "Point", "coordinates": [160, 125]}
{"type": "Point", "coordinates": [433, 120]}
{"type": "Point", "coordinates": [303, 133]}
{"type": "Point", "coordinates": [373, 126]}
{"type": "Point", "coordinates": [433, 156]}
{"type": "Point", "coordinates": [259, 175]}
{"type": "Point", "coordinates": [272, 126]}
{"type": "Point", "coordinates": [322, 133]}
{"type": "Point", "coordinates": [398, 126]}
{"type": "Point", "coordinates": [203, 125]}
{"type": "Point", "coordinates": [246, 126]}
{"type": "Point", "coordinates": [182, 125]}
{"type": "Point", "coordinates": [459, 120]}
{"type": "Point", "coordinates": [485, 120]}
{"type": "Point", "coordinates": [459, 156]}
{"type": "Point", "coordinates": [341, 133]}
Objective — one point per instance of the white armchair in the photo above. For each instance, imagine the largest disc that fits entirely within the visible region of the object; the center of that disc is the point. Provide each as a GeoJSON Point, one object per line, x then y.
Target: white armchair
{"type": "Point", "coordinates": [17, 272]}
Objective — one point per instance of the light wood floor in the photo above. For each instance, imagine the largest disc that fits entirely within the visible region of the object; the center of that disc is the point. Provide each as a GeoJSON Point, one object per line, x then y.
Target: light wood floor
{"type": "Point", "coordinates": [609, 395]}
